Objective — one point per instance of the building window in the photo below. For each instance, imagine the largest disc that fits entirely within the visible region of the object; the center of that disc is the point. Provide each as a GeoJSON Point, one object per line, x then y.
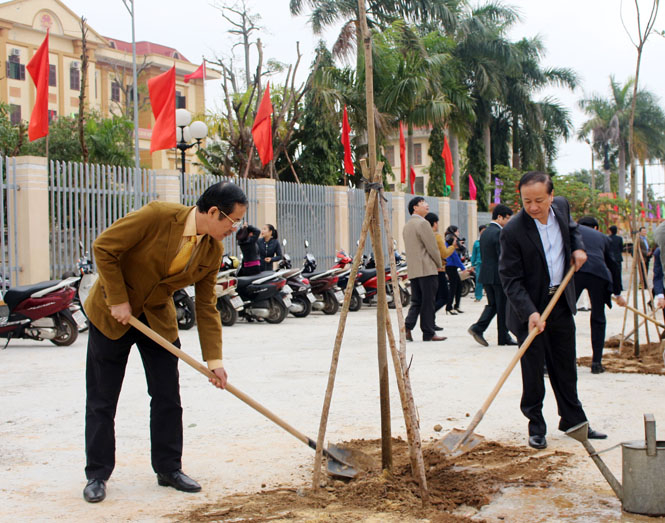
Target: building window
{"type": "Point", "coordinates": [180, 100]}
{"type": "Point", "coordinates": [115, 91]}
{"type": "Point", "coordinates": [390, 154]}
{"type": "Point", "coordinates": [15, 114]}
{"type": "Point", "coordinates": [15, 69]}
{"type": "Point", "coordinates": [419, 186]}
{"type": "Point", "coordinates": [417, 154]}
{"type": "Point", "coordinates": [52, 115]}
{"type": "Point", "coordinates": [74, 77]}
{"type": "Point", "coordinates": [52, 76]}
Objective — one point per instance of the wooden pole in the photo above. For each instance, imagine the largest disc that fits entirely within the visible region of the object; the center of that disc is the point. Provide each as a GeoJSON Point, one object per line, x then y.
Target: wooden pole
{"type": "Point", "coordinates": [375, 177]}
{"type": "Point", "coordinates": [647, 289]}
{"type": "Point", "coordinates": [630, 290]}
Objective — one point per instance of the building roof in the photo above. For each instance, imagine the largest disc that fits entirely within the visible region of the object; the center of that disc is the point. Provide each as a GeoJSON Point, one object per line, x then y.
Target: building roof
{"type": "Point", "coordinates": [147, 48]}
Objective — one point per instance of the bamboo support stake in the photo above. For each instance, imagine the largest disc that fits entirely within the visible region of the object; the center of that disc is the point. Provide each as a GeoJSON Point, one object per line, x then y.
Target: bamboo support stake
{"type": "Point", "coordinates": [630, 290]}
{"type": "Point", "coordinates": [316, 477]}
{"type": "Point", "coordinates": [645, 287]}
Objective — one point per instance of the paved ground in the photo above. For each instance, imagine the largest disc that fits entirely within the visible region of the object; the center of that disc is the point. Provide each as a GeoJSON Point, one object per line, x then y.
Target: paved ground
{"type": "Point", "coordinates": [230, 448]}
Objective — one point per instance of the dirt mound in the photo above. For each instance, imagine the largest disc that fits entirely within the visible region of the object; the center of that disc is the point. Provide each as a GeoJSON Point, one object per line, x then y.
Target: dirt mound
{"type": "Point", "coordinates": [650, 360]}
{"type": "Point", "coordinates": [458, 487]}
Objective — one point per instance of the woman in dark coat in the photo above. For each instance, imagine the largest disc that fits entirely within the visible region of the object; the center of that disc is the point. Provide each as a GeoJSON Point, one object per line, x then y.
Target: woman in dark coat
{"type": "Point", "coordinates": [270, 251]}
{"type": "Point", "coordinates": [247, 241]}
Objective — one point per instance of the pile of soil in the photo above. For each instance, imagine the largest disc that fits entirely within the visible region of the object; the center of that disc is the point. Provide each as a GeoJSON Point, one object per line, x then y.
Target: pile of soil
{"type": "Point", "coordinates": [458, 487]}
{"type": "Point", "coordinates": [650, 360]}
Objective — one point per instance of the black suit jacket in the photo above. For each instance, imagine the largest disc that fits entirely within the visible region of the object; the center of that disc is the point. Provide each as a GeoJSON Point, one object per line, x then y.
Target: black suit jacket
{"type": "Point", "coordinates": [600, 261]}
{"type": "Point", "coordinates": [490, 248]}
{"type": "Point", "coordinates": [523, 266]}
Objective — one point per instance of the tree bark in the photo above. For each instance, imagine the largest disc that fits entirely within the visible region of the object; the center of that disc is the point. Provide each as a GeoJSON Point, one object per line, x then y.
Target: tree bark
{"type": "Point", "coordinates": [409, 155]}
{"type": "Point", "coordinates": [487, 142]}
{"type": "Point", "coordinates": [454, 150]}
{"type": "Point", "coordinates": [622, 170]}
{"type": "Point", "coordinates": [516, 142]}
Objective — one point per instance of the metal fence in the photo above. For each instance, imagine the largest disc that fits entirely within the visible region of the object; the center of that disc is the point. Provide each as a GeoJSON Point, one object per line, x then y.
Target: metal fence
{"type": "Point", "coordinates": [84, 200]}
{"type": "Point", "coordinates": [433, 202]}
{"type": "Point", "coordinates": [356, 201]}
{"type": "Point", "coordinates": [459, 215]}
{"type": "Point", "coordinates": [8, 224]}
{"type": "Point", "coordinates": [196, 184]}
{"type": "Point", "coordinates": [484, 218]}
{"type": "Point", "coordinates": [307, 212]}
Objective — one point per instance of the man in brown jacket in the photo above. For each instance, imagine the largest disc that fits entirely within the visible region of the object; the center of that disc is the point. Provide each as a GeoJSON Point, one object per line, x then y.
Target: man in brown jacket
{"type": "Point", "coordinates": [142, 259]}
{"type": "Point", "coordinates": [424, 261]}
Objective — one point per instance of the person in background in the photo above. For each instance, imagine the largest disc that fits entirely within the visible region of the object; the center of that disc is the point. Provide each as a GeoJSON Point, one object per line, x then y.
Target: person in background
{"type": "Point", "coordinates": [645, 251]}
{"type": "Point", "coordinates": [270, 251]}
{"type": "Point", "coordinates": [247, 238]}
{"type": "Point", "coordinates": [453, 263]}
{"type": "Point", "coordinates": [600, 276]}
{"type": "Point", "coordinates": [445, 251]}
{"type": "Point", "coordinates": [476, 260]}
{"type": "Point", "coordinates": [616, 247]}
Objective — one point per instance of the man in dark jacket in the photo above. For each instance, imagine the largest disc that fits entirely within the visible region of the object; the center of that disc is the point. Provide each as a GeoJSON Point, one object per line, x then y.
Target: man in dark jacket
{"type": "Point", "coordinates": [537, 247]}
{"type": "Point", "coordinates": [601, 277]}
{"type": "Point", "coordinates": [616, 247]}
{"type": "Point", "coordinates": [490, 248]}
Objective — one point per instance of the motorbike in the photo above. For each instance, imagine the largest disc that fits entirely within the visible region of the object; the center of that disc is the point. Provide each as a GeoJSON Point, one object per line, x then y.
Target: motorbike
{"type": "Point", "coordinates": [342, 259]}
{"type": "Point", "coordinates": [324, 285]}
{"type": "Point", "coordinates": [184, 307]}
{"type": "Point", "coordinates": [265, 296]}
{"type": "Point", "coordinates": [42, 311]}
{"type": "Point", "coordinates": [302, 297]}
{"type": "Point", "coordinates": [87, 278]}
{"type": "Point", "coordinates": [229, 303]}
{"type": "Point", "coordinates": [468, 278]}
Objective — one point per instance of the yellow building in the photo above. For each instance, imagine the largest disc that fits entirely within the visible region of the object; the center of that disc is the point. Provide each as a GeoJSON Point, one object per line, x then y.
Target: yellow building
{"type": "Point", "coordinates": [421, 160]}
{"type": "Point", "coordinates": [23, 26]}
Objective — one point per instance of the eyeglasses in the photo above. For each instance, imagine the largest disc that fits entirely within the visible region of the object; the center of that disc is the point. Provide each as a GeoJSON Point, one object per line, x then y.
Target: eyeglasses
{"type": "Point", "coordinates": [234, 224]}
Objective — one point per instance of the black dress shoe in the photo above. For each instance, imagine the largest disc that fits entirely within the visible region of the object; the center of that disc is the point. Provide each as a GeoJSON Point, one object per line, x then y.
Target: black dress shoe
{"type": "Point", "coordinates": [408, 335]}
{"type": "Point", "coordinates": [537, 442]}
{"type": "Point", "coordinates": [452, 312]}
{"type": "Point", "coordinates": [594, 434]}
{"type": "Point", "coordinates": [178, 480]}
{"type": "Point", "coordinates": [478, 337]}
{"type": "Point", "coordinates": [95, 491]}
{"type": "Point", "coordinates": [597, 368]}
{"type": "Point", "coordinates": [437, 328]}
{"type": "Point", "coordinates": [509, 342]}
{"type": "Point", "coordinates": [458, 310]}
{"type": "Point", "coordinates": [436, 338]}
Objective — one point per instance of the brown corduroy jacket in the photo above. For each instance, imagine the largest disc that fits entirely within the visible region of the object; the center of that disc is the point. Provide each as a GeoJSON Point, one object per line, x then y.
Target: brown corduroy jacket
{"type": "Point", "coordinates": [133, 257]}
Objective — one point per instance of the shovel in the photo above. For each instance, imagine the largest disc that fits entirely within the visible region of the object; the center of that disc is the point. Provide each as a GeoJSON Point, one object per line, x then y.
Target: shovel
{"type": "Point", "coordinates": [457, 441]}
{"type": "Point", "coordinates": [338, 459]}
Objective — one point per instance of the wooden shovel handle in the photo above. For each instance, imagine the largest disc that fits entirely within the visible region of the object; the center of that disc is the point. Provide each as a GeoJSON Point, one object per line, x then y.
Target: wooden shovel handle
{"type": "Point", "coordinates": [640, 313]}
{"type": "Point", "coordinates": [134, 322]}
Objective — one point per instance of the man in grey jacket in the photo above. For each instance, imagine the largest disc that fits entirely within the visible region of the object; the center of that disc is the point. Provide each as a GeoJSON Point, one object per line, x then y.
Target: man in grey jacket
{"type": "Point", "coordinates": [424, 260]}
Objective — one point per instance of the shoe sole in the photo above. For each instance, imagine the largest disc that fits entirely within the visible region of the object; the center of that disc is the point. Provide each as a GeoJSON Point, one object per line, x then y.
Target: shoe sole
{"type": "Point", "coordinates": [477, 337]}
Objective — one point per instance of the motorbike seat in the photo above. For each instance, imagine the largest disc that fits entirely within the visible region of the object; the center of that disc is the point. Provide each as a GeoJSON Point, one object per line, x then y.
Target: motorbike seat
{"type": "Point", "coordinates": [244, 281]}
{"type": "Point", "coordinates": [314, 274]}
{"type": "Point", "coordinates": [16, 295]}
{"type": "Point", "coordinates": [366, 274]}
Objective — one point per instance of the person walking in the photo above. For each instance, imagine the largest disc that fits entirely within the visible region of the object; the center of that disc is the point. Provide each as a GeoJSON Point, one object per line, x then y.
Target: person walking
{"type": "Point", "coordinates": [476, 260]}
{"type": "Point", "coordinates": [424, 261]}
{"type": "Point", "coordinates": [142, 259]}
{"type": "Point", "coordinates": [600, 276]}
{"type": "Point", "coordinates": [444, 251]}
{"type": "Point", "coordinates": [453, 266]}
{"type": "Point", "coordinates": [270, 251]}
{"type": "Point", "coordinates": [537, 247]}
{"type": "Point", "coordinates": [616, 248]}
{"type": "Point", "coordinates": [490, 251]}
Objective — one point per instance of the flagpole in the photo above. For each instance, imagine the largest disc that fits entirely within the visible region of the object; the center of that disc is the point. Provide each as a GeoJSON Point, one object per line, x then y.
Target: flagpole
{"type": "Point", "coordinates": [135, 96]}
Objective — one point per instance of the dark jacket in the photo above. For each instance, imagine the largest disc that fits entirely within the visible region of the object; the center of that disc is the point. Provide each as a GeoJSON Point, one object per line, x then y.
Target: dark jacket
{"type": "Point", "coordinates": [523, 267]}
{"type": "Point", "coordinates": [657, 273]}
{"type": "Point", "coordinates": [490, 249]}
{"type": "Point", "coordinates": [247, 241]}
{"type": "Point", "coordinates": [600, 261]}
{"type": "Point", "coordinates": [616, 247]}
{"type": "Point", "coordinates": [271, 249]}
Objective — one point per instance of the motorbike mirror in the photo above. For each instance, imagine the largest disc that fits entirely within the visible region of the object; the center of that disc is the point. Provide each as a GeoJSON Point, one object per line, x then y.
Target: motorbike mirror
{"type": "Point", "coordinates": [306, 244]}
{"type": "Point", "coordinates": [284, 242]}
{"type": "Point", "coordinates": [357, 243]}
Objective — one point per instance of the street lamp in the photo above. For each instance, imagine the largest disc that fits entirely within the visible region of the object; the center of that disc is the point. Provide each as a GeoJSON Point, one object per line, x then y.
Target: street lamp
{"type": "Point", "coordinates": [186, 130]}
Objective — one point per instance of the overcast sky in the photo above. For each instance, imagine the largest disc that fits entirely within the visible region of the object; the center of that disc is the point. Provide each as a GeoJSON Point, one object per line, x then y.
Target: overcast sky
{"type": "Point", "coordinates": [585, 35]}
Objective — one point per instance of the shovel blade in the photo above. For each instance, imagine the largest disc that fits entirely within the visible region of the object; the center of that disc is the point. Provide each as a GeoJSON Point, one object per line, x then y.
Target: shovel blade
{"type": "Point", "coordinates": [339, 463]}
{"type": "Point", "coordinates": [450, 443]}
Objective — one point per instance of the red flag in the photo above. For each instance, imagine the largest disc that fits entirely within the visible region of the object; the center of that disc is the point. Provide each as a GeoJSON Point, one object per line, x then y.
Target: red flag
{"type": "Point", "coordinates": [199, 73]}
{"type": "Point", "coordinates": [412, 179]}
{"type": "Point", "coordinates": [346, 142]}
{"type": "Point", "coordinates": [472, 188]}
{"type": "Point", "coordinates": [448, 160]}
{"type": "Point", "coordinates": [262, 129]}
{"type": "Point", "coordinates": [642, 211]}
{"type": "Point", "coordinates": [402, 154]}
{"type": "Point", "coordinates": [162, 99]}
{"type": "Point", "coordinates": [38, 67]}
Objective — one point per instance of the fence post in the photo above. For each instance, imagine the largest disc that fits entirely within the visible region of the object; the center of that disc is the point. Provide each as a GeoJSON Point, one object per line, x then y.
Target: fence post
{"type": "Point", "coordinates": [32, 219]}
{"type": "Point", "coordinates": [342, 240]}
{"type": "Point", "coordinates": [472, 213]}
{"type": "Point", "coordinates": [266, 195]}
{"type": "Point", "coordinates": [398, 219]}
{"type": "Point", "coordinates": [167, 185]}
{"type": "Point", "coordinates": [444, 213]}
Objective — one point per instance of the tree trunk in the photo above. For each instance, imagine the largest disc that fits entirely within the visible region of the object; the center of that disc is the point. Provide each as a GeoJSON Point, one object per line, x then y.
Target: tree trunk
{"type": "Point", "coordinates": [645, 199]}
{"type": "Point", "coordinates": [454, 150]}
{"type": "Point", "coordinates": [516, 142]}
{"type": "Point", "coordinates": [487, 142]}
{"type": "Point", "coordinates": [622, 171]}
{"type": "Point", "coordinates": [409, 155]}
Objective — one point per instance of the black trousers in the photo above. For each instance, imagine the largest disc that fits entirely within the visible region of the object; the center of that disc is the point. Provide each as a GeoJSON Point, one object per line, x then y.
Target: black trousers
{"type": "Point", "coordinates": [556, 347]}
{"type": "Point", "coordinates": [441, 292]}
{"type": "Point", "coordinates": [105, 370]}
{"type": "Point", "coordinates": [455, 291]}
{"type": "Point", "coordinates": [423, 293]}
{"type": "Point", "coordinates": [496, 305]}
{"type": "Point", "coordinates": [597, 289]}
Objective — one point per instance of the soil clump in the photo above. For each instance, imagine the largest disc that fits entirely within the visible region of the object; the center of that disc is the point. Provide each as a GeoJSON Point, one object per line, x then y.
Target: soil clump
{"type": "Point", "coordinates": [458, 487]}
{"type": "Point", "coordinates": [650, 360]}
